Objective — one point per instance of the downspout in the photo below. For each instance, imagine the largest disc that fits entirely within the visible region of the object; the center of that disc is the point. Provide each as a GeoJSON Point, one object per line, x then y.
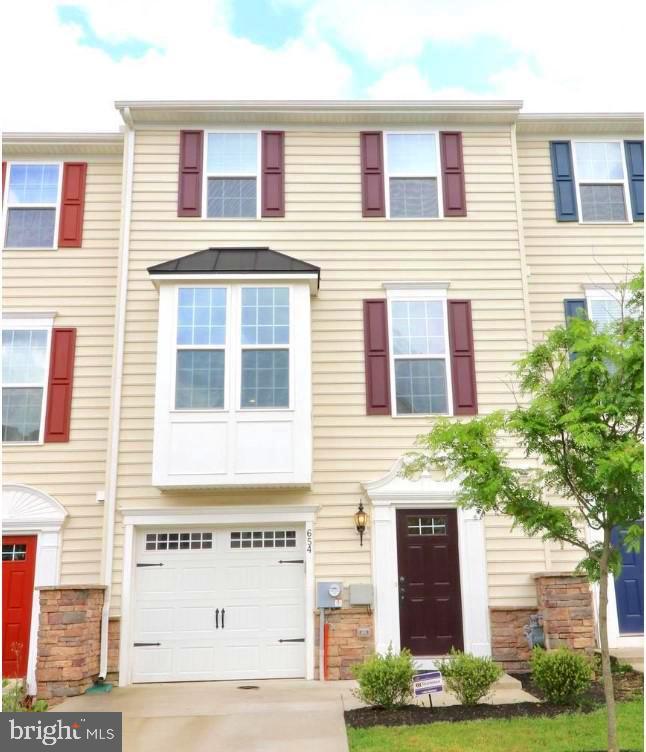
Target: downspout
{"type": "Point", "coordinates": [524, 268]}
{"type": "Point", "coordinates": [109, 516]}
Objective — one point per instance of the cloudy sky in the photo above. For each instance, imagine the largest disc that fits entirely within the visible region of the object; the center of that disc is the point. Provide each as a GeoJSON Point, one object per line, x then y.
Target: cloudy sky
{"type": "Point", "coordinates": [66, 63]}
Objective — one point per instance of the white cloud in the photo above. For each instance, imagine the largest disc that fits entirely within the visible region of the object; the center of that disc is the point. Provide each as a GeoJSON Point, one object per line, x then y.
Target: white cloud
{"type": "Point", "coordinates": [57, 84]}
{"type": "Point", "coordinates": [571, 54]}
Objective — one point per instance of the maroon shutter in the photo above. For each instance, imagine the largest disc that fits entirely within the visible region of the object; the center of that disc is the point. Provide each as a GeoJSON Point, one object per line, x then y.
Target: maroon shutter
{"type": "Point", "coordinates": [189, 194]}
{"type": "Point", "coordinates": [70, 230]}
{"type": "Point", "coordinates": [455, 202]}
{"type": "Point", "coordinates": [463, 365]}
{"type": "Point", "coordinates": [59, 394]}
{"type": "Point", "coordinates": [273, 174]}
{"type": "Point", "coordinates": [373, 200]}
{"type": "Point", "coordinates": [375, 333]}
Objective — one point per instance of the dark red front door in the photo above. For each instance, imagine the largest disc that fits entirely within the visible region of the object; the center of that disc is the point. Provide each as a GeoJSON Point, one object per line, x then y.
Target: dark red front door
{"type": "Point", "coordinates": [430, 610]}
{"type": "Point", "coordinates": [18, 567]}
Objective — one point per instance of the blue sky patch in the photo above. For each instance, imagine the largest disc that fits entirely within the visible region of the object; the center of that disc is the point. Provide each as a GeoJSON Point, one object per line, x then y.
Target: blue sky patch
{"type": "Point", "coordinates": [265, 22]}
{"type": "Point", "coordinates": [468, 65]}
{"type": "Point", "coordinates": [74, 15]}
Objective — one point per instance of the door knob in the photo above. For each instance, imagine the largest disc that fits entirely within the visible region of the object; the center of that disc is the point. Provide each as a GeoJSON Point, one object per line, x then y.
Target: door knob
{"type": "Point", "coordinates": [217, 618]}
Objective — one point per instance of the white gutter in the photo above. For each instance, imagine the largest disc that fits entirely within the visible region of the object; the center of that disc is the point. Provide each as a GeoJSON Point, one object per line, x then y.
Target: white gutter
{"type": "Point", "coordinates": [117, 384]}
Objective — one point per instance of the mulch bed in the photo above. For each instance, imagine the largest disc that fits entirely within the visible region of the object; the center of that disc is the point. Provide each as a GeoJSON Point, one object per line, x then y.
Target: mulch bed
{"type": "Point", "coordinates": [627, 685]}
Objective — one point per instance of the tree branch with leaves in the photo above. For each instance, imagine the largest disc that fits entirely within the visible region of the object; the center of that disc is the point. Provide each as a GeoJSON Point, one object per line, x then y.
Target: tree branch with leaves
{"type": "Point", "coordinates": [580, 425]}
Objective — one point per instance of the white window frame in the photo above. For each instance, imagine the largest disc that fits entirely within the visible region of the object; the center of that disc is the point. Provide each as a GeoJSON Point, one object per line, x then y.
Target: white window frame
{"type": "Point", "coordinates": [6, 206]}
{"type": "Point", "coordinates": [232, 348]}
{"type": "Point", "coordinates": [438, 177]}
{"type": "Point", "coordinates": [40, 323]}
{"type": "Point", "coordinates": [411, 294]}
{"type": "Point", "coordinates": [224, 348]}
{"type": "Point", "coordinates": [207, 174]}
{"type": "Point", "coordinates": [597, 181]}
{"type": "Point", "coordinates": [602, 293]}
{"type": "Point", "coordinates": [288, 347]}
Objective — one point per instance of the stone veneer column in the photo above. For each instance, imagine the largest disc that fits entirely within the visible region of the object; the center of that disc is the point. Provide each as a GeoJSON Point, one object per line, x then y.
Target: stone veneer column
{"type": "Point", "coordinates": [509, 645]}
{"type": "Point", "coordinates": [69, 639]}
{"type": "Point", "coordinates": [565, 603]}
{"type": "Point", "coordinates": [345, 646]}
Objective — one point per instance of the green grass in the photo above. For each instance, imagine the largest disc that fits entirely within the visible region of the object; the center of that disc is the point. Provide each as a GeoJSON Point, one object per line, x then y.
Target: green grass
{"type": "Point", "coordinates": [565, 733]}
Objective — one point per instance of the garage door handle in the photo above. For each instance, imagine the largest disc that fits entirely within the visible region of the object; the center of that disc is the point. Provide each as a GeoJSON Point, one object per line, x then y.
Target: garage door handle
{"type": "Point", "coordinates": [291, 561]}
{"type": "Point", "coordinates": [150, 565]}
{"type": "Point", "coordinates": [217, 618]}
{"type": "Point", "coordinates": [146, 644]}
{"type": "Point", "coordinates": [297, 639]}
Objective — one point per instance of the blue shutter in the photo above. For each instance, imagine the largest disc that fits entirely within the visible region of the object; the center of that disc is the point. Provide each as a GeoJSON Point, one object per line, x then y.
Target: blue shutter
{"type": "Point", "coordinates": [563, 175]}
{"type": "Point", "coordinates": [574, 309]}
{"type": "Point", "coordinates": [635, 164]}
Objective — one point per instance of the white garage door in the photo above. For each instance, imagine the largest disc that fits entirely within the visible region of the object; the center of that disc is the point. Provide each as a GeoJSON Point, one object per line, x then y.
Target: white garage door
{"type": "Point", "coordinates": [215, 603]}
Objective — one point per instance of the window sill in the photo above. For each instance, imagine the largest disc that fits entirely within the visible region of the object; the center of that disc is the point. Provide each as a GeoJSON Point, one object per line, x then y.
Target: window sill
{"type": "Point", "coordinates": [414, 219]}
{"type": "Point", "coordinates": [606, 222]}
{"type": "Point", "coordinates": [32, 248]}
{"type": "Point", "coordinates": [408, 416]}
{"type": "Point", "coordinates": [22, 443]}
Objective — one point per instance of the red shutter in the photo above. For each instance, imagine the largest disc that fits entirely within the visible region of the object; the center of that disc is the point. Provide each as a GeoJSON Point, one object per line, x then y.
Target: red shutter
{"type": "Point", "coordinates": [375, 334]}
{"type": "Point", "coordinates": [373, 200]}
{"type": "Point", "coordinates": [189, 194]}
{"type": "Point", "coordinates": [59, 394]}
{"type": "Point", "coordinates": [4, 174]}
{"type": "Point", "coordinates": [463, 365]}
{"type": "Point", "coordinates": [455, 202]}
{"type": "Point", "coordinates": [273, 174]}
{"type": "Point", "coordinates": [70, 230]}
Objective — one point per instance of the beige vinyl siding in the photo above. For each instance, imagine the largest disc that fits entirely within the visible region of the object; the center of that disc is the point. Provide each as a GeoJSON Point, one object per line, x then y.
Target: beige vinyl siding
{"type": "Point", "coordinates": [477, 255]}
{"type": "Point", "coordinates": [564, 256]}
{"type": "Point", "coordinates": [79, 285]}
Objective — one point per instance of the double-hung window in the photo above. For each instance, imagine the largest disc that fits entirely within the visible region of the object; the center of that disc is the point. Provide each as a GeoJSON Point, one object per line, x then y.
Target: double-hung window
{"type": "Point", "coordinates": [604, 306]}
{"type": "Point", "coordinates": [232, 185]}
{"type": "Point", "coordinates": [32, 203]}
{"type": "Point", "coordinates": [25, 359]}
{"type": "Point", "coordinates": [413, 177]}
{"type": "Point", "coordinates": [201, 342]}
{"type": "Point", "coordinates": [420, 364]}
{"type": "Point", "coordinates": [601, 181]}
{"type": "Point", "coordinates": [265, 347]}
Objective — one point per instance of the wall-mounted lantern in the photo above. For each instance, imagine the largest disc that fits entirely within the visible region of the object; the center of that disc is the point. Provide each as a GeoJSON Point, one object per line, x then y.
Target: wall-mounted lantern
{"type": "Point", "coordinates": [361, 521]}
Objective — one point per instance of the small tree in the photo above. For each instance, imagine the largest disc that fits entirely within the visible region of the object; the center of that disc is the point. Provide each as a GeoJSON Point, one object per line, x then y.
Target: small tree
{"type": "Point", "coordinates": [582, 419]}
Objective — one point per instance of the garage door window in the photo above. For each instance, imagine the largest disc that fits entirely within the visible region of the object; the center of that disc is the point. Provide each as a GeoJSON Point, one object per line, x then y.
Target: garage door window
{"type": "Point", "coordinates": [178, 541]}
{"type": "Point", "coordinates": [264, 539]}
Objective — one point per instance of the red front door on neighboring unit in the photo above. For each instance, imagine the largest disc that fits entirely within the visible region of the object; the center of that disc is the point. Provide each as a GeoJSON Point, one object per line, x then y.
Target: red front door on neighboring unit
{"type": "Point", "coordinates": [18, 568]}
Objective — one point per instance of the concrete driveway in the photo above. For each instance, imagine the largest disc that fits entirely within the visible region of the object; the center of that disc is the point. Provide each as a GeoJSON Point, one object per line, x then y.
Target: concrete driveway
{"type": "Point", "coordinates": [280, 715]}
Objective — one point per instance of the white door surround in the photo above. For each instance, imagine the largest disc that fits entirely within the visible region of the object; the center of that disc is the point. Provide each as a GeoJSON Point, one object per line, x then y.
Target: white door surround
{"type": "Point", "coordinates": [135, 520]}
{"type": "Point", "coordinates": [28, 511]}
{"type": "Point", "coordinates": [394, 492]}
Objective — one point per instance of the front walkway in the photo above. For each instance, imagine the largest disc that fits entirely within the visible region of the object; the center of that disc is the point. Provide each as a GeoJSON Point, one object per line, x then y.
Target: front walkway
{"type": "Point", "coordinates": [278, 716]}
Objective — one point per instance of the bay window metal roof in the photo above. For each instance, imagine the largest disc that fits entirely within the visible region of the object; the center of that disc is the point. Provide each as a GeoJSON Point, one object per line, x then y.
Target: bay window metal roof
{"type": "Point", "coordinates": [235, 261]}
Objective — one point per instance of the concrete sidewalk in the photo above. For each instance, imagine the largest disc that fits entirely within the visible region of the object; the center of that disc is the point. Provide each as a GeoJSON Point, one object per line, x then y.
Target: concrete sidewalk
{"type": "Point", "coordinates": [279, 716]}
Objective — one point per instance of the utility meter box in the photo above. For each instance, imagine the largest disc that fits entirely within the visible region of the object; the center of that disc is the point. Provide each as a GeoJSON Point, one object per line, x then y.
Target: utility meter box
{"type": "Point", "coordinates": [329, 594]}
{"type": "Point", "coordinates": [360, 594]}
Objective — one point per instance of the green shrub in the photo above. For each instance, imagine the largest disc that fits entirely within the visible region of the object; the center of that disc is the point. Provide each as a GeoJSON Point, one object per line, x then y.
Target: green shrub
{"type": "Point", "coordinates": [385, 680]}
{"type": "Point", "coordinates": [468, 676]}
{"type": "Point", "coordinates": [562, 675]}
{"type": "Point", "coordinates": [15, 700]}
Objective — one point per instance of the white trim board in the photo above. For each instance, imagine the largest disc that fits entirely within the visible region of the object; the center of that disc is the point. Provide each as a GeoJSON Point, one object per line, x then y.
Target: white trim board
{"type": "Point", "coordinates": [225, 515]}
{"type": "Point", "coordinates": [393, 492]}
